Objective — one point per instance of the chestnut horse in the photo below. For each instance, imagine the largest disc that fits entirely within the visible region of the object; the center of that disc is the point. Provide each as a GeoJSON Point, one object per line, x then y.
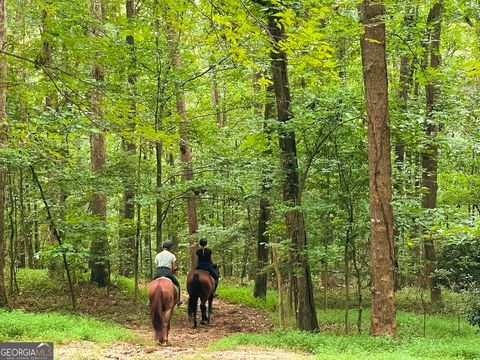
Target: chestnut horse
{"type": "Point", "coordinates": [200, 285]}
{"type": "Point", "coordinates": [162, 295]}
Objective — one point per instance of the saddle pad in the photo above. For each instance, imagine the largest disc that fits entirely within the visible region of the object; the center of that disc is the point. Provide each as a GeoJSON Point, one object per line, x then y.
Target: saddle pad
{"type": "Point", "coordinates": [166, 278]}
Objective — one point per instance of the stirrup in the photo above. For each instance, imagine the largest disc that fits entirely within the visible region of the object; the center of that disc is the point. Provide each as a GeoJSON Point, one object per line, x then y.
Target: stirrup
{"type": "Point", "coordinates": [179, 302]}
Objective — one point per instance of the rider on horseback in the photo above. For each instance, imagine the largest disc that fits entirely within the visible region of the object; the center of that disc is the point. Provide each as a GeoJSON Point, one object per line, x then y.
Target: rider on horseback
{"type": "Point", "coordinates": [167, 265]}
{"type": "Point", "coordinates": [205, 261]}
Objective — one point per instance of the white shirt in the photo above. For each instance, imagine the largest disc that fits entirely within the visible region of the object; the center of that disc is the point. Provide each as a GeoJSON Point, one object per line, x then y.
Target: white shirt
{"type": "Point", "coordinates": [165, 259]}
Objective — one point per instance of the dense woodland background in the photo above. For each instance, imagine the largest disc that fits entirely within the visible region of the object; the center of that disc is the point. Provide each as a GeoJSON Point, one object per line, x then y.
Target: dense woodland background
{"type": "Point", "coordinates": [131, 122]}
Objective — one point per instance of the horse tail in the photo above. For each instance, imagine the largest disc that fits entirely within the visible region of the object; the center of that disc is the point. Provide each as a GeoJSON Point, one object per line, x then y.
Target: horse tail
{"type": "Point", "coordinates": [194, 295]}
{"type": "Point", "coordinates": [155, 308]}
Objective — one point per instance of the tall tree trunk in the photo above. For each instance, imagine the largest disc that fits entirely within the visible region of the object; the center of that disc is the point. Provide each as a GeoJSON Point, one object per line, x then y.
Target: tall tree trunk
{"type": "Point", "coordinates": [127, 248]}
{"type": "Point", "coordinates": [3, 138]}
{"type": "Point", "coordinates": [383, 318]}
{"type": "Point", "coordinates": [186, 155]}
{"type": "Point", "coordinates": [99, 247]}
{"type": "Point", "coordinates": [159, 107]}
{"type": "Point", "coordinates": [430, 153]}
{"type": "Point", "coordinates": [263, 239]}
{"type": "Point", "coordinates": [55, 268]}
{"type": "Point", "coordinates": [405, 82]}
{"type": "Point", "coordinates": [305, 306]}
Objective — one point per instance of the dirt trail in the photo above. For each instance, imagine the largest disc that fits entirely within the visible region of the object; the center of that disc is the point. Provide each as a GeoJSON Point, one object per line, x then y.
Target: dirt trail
{"type": "Point", "coordinates": [188, 343]}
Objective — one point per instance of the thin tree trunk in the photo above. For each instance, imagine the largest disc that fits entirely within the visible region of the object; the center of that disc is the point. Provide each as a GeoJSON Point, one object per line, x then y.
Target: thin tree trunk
{"type": "Point", "coordinates": [346, 273]}
{"type": "Point", "coordinates": [127, 236]}
{"type": "Point", "coordinates": [148, 243]}
{"type": "Point", "coordinates": [99, 264]}
{"type": "Point", "coordinates": [358, 278]}
{"type": "Point", "coordinates": [3, 138]}
{"type": "Point", "coordinates": [430, 154]}
{"type": "Point", "coordinates": [25, 226]}
{"type": "Point", "coordinates": [405, 82]}
{"type": "Point", "coordinates": [158, 126]}
{"type": "Point", "coordinates": [263, 238]}
{"type": "Point", "coordinates": [54, 230]}
{"type": "Point", "coordinates": [186, 154]}
{"type": "Point", "coordinates": [280, 291]}
{"type": "Point", "coordinates": [172, 229]}
{"type": "Point", "coordinates": [216, 98]}
{"type": "Point", "coordinates": [305, 305]}
{"type": "Point", "coordinates": [14, 255]}
{"type": "Point", "coordinates": [383, 317]}
{"type": "Point", "coordinates": [137, 244]}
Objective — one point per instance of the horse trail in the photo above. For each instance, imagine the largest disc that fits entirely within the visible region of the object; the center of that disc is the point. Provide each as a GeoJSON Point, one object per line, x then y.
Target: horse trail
{"type": "Point", "coordinates": [188, 343]}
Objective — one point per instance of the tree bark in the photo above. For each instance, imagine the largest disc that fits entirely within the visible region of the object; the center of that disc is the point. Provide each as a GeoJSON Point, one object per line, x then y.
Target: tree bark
{"type": "Point", "coordinates": [186, 157]}
{"type": "Point", "coordinates": [383, 317]}
{"type": "Point", "coordinates": [127, 236]}
{"type": "Point", "coordinates": [430, 153]}
{"type": "Point", "coordinates": [263, 239]}
{"type": "Point", "coordinates": [305, 306]}
{"type": "Point", "coordinates": [3, 138]}
{"type": "Point", "coordinates": [405, 82]}
{"type": "Point", "coordinates": [216, 98]}
{"type": "Point", "coordinates": [99, 264]}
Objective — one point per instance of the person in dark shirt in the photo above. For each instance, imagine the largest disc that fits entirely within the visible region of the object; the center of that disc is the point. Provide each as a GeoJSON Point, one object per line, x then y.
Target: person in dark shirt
{"type": "Point", "coordinates": [205, 261]}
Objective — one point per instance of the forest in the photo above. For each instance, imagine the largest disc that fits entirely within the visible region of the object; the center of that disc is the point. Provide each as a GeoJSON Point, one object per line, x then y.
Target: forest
{"type": "Point", "coordinates": [328, 150]}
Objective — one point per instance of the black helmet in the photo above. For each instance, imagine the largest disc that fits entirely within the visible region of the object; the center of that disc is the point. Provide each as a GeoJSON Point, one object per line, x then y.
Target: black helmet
{"type": "Point", "coordinates": [167, 244]}
{"type": "Point", "coordinates": [203, 242]}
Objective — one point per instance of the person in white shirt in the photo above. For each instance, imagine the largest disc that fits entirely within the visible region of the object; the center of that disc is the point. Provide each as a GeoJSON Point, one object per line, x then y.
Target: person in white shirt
{"type": "Point", "coordinates": [166, 263]}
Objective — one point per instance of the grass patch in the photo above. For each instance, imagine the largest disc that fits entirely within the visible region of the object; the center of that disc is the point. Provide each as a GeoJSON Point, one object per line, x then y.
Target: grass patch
{"type": "Point", "coordinates": [127, 285]}
{"type": "Point", "coordinates": [342, 347]}
{"type": "Point", "coordinates": [243, 295]}
{"type": "Point", "coordinates": [442, 339]}
{"type": "Point", "coordinates": [18, 325]}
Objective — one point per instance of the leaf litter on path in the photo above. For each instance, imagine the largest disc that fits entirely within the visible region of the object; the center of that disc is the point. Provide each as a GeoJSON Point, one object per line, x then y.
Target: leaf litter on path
{"type": "Point", "coordinates": [188, 343]}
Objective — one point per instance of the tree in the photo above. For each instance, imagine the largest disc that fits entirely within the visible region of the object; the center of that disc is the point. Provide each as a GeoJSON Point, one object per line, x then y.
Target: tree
{"type": "Point", "coordinates": [373, 45]}
{"type": "Point", "coordinates": [99, 248]}
{"type": "Point", "coordinates": [430, 153]}
{"type": "Point", "coordinates": [3, 118]}
{"type": "Point", "coordinates": [263, 239]}
{"type": "Point", "coordinates": [305, 306]}
{"type": "Point", "coordinates": [185, 149]}
{"type": "Point", "coordinates": [127, 236]}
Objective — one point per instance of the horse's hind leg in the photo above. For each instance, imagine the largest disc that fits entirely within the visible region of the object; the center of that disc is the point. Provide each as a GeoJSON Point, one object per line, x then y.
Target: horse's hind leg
{"type": "Point", "coordinates": [210, 308]}
{"type": "Point", "coordinates": [192, 315]}
{"type": "Point", "coordinates": [203, 307]}
{"type": "Point", "coordinates": [166, 316]}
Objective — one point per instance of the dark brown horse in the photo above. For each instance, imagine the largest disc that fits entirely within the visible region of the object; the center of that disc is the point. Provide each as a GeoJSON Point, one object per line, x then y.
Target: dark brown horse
{"type": "Point", "coordinates": [162, 295]}
{"type": "Point", "coordinates": [200, 285]}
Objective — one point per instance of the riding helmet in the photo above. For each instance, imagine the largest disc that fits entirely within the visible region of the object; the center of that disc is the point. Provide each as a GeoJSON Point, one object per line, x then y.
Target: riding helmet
{"type": "Point", "coordinates": [167, 244]}
{"type": "Point", "coordinates": [203, 242]}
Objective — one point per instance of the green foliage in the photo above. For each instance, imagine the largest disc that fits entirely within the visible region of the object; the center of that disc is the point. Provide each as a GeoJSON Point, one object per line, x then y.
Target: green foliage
{"type": "Point", "coordinates": [59, 328]}
{"type": "Point", "coordinates": [127, 285]}
{"type": "Point", "coordinates": [459, 263]}
{"type": "Point", "coordinates": [326, 346]}
{"type": "Point", "coordinates": [243, 295]}
{"type": "Point", "coordinates": [441, 341]}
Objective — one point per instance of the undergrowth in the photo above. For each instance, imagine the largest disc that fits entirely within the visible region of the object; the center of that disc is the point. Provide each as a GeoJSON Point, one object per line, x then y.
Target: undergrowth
{"type": "Point", "coordinates": [18, 325]}
{"type": "Point", "coordinates": [446, 337]}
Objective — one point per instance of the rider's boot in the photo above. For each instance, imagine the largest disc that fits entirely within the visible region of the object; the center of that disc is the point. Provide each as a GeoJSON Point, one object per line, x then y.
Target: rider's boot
{"type": "Point", "coordinates": [215, 290]}
{"type": "Point", "coordinates": [179, 301]}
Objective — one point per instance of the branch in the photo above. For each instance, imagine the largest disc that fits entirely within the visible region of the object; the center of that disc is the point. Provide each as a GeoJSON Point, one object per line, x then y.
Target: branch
{"type": "Point", "coordinates": [57, 236]}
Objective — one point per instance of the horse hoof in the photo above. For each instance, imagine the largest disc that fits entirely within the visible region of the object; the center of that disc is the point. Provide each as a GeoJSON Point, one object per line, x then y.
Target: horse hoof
{"type": "Point", "coordinates": [203, 322]}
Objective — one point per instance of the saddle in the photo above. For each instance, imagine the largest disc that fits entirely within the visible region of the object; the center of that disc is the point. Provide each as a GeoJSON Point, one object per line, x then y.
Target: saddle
{"type": "Point", "coordinates": [167, 278]}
